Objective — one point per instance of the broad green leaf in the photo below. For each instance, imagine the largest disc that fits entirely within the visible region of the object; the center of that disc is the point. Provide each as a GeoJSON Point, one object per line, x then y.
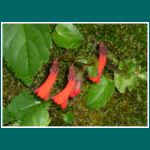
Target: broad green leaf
{"type": "Point", "coordinates": [26, 48]}
{"type": "Point", "coordinates": [18, 106]}
{"type": "Point", "coordinates": [7, 117]}
{"type": "Point", "coordinates": [67, 36]}
{"type": "Point", "coordinates": [123, 82]}
{"type": "Point", "coordinates": [36, 116]}
{"type": "Point", "coordinates": [25, 105]}
{"type": "Point", "coordinates": [99, 94]}
{"type": "Point", "coordinates": [68, 117]}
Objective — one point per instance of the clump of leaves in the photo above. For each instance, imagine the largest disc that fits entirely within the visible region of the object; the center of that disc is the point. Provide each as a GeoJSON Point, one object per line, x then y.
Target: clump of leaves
{"type": "Point", "coordinates": [127, 75]}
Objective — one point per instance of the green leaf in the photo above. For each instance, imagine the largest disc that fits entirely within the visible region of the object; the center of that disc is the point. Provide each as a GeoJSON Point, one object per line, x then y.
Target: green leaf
{"type": "Point", "coordinates": [129, 66]}
{"type": "Point", "coordinates": [120, 83]}
{"type": "Point", "coordinates": [132, 82]}
{"type": "Point", "coordinates": [92, 70]}
{"type": "Point", "coordinates": [142, 75]}
{"type": "Point", "coordinates": [67, 36]}
{"type": "Point", "coordinates": [99, 94]}
{"type": "Point", "coordinates": [68, 117]}
{"type": "Point", "coordinates": [7, 117]}
{"type": "Point", "coordinates": [18, 106]}
{"type": "Point", "coordinates": [123, 82]}
{"type": "Point", "coordinates": [25, 108]}
{"type": "Point", "coordinates": [36, 116]}
{"type": "Point", "coordinates": [26, 48]}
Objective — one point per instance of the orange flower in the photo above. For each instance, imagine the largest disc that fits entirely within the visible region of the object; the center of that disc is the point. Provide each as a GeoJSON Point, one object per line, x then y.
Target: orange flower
{"type": "Point", "coordinates": [44, 90]}
{"type": "Point", "coordinates": [101, 63]}
{"type": "Point", "coordinates": [77, 89]}
{"type": "Point", "coordinates": [62, 97]}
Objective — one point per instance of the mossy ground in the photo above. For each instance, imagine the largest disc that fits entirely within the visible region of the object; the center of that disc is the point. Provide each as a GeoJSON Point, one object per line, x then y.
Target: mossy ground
{"type": "Point", "coordinates": [124, 41]}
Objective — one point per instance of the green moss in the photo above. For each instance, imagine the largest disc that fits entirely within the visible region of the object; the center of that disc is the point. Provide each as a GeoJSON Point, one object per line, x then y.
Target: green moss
{"type": "Point", "coordinates": [123, 42]}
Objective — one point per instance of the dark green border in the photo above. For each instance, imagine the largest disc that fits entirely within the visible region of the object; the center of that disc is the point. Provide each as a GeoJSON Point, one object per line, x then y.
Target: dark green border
{"type": "Point", "coordinates": [78, 10]}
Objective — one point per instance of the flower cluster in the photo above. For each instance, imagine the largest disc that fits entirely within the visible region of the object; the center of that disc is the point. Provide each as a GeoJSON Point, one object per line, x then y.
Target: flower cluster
{"type": "Point", "coordinates": [71, 90]}
{"type": "Point", "coordinates": [73, 86]}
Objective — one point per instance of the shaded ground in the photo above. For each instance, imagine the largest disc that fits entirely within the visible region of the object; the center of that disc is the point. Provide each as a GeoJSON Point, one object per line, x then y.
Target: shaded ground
{"type": "Point", "coordinates": [123, 41]}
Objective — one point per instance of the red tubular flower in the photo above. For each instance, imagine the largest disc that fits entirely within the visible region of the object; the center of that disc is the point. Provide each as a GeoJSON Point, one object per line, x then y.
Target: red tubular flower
{"type": "Point", "coordinates": [77, 89]}
{"type": "Point", "coordinates": [101, 63]}
{"type": "Point", "coordinates": [62, 97]}
{"type": "Point", "coordinates": [44, 90]}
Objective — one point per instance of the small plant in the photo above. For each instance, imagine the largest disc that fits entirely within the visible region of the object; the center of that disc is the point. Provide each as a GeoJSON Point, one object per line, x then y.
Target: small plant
{"type": "Point", "coordinates": [68, 117]}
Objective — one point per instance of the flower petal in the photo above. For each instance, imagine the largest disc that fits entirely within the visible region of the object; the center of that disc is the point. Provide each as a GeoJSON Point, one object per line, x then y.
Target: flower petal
{"type": "Point", "coordinates": [44, 90]}
{"type": "Point", "coordinates": [62, 97]}
{"type": "Point", "coordinates": [77, 89]}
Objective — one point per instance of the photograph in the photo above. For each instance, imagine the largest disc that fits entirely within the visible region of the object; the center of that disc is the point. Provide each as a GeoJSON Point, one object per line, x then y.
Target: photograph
{"type": "Point", "coordinates": [74, 74]}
